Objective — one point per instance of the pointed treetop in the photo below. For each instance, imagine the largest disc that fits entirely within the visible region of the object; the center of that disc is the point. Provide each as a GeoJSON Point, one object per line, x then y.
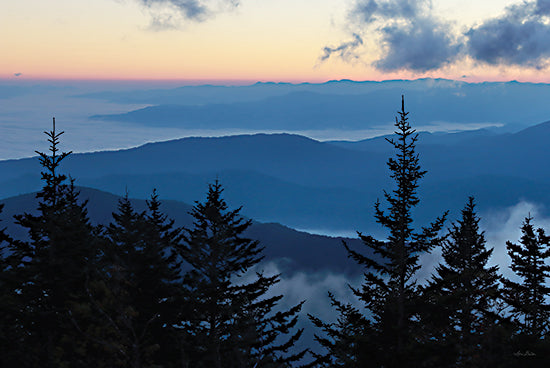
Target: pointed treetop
{"type": "Point", "coordinates": [50, 162]}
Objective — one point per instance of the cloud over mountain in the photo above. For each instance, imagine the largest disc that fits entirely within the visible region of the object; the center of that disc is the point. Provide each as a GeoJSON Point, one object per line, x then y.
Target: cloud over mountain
{"type": "Point", "coordinates": [420, 45]}
{"type": "Point", "coordinates": [410, 36]}
{"type": "Point", "coordinates": [521, 36]}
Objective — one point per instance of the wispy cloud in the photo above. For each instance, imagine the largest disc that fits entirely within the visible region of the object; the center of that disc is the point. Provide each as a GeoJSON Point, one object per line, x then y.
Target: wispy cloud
{"type": "Point", "coordinates": [499, 226]}
{"type": "Point", "coordinates": [410, 37]}
{"type": "Point", "coordinates": [172, 14]}
{"type": "Point", "coordinates": [311, 287]}
{"type": "Point", "coordinates": [505, 225]}
{"type": "Point", "coordinates": [346, 50]}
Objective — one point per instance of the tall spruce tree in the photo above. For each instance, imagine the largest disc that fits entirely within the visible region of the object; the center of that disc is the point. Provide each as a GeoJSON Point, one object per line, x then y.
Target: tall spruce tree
{"type": "Point", "coordinates": [529, 298]}
{"type": "Point", "coordinates": [163, 278]}
{"type": "Point", "coordinates": [389, 292]}
{"type": "Point", "coordinates": [139, 298]}
{"type": "Point", "coordinates": [53, 268]}
{"type": "Point", "coordinates": [229, 321]}
{"type": "Point", "coordinates": [464, 293]}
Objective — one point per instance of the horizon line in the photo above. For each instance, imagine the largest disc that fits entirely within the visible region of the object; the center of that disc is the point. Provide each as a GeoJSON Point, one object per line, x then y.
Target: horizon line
{"type": "Point", "coordinates": [248, 82]}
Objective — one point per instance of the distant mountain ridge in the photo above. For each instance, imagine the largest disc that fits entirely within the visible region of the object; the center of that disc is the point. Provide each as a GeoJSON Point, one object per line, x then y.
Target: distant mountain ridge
{"type": "Point", "coordinates": [336, 105]}
{"type": "Point", "coordinates": [379, 144]}
{"type": "Point", "coordinates": [219, 94]}
{"type": "Point", "coordinates": [303, 183]}
{"type": "Point", "coordinates": [289, 157]}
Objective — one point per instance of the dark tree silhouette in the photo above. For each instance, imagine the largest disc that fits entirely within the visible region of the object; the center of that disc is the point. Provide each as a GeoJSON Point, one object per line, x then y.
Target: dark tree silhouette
{"type": "Point", "coordinates": [11, 334]}
{"type": "Point", "coordinates": [529, 298]}
{"type": "Point", "coordinates": [346, 340]}
{"type": "Point", "coordinates": [389, 292]}
{"type": "Point", "coordinates": [231, 321]}
{"type": "Point", "coordinates": [464, 293]}
{"type": "Point", "coordinates": [138, 299]}
{"type": "Point", "coordinates": [53, 268]}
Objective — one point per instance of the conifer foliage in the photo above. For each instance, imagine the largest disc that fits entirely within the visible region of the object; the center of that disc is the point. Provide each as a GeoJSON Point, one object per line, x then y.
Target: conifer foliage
{"type": "Point", "coordinates": [78, 295]}
{"type": "Point", "coordinates": [464, 294]}
{"type": "Point", "coordinates": [10, 329]}
{"type": "Point", "coordinates": [389, 292]}
{"type": "Point", "coordinates": [230, 321]}
{"type": "Point", "coordinates": [54, 266]}
{"type": "Point", "coordinates": [137, 298]}
{"type": "Point", "coordinates": [528, 299]}
{"type": "Point", "coordinates": [345, 340]}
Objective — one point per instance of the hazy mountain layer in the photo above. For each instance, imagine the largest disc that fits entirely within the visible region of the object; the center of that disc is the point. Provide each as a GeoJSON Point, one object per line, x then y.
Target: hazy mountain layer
{"type": "Point", "coordinates": [336, 105]}
{"type": "Point", "coordinates": [303, 183]}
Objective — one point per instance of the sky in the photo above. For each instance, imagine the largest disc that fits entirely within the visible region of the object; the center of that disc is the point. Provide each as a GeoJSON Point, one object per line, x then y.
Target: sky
{"type": "Point", "coordinates": [275, 40]}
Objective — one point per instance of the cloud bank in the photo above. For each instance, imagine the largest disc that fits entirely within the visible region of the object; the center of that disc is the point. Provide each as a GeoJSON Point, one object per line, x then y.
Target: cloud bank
{"type": "Point", "coordinates": [499, 226]}
{"type": "Point", "coordinates": [312, 288]}
{"type": "Point", "coordinates": [410, 37]}
{"type": "Point", "coordinates": [521, 36]}
{"type": "Point", "coordinates": [172, 14]}
{"type": "Point", "coordinates": [506, 226]}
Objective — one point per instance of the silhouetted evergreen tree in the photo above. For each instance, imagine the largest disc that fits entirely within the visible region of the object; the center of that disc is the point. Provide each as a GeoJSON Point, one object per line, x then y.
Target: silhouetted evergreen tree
{"type": "Point", "coordinates": [230, 321]}
{"type": "Point", "coordinates": [163, 277]}
{"type": "Point", "coordinates": [464, 294]}
{"type": "Point", "coordinates": [346, 340]}
{"type": "Point", "coordinates": [529, 298]}
{"type": "Point", "coordinates": [53, 268]}
{"type": "Point", "coordinates": [11, 333]}
{"type": "Point", "coordinates": [139, 298]}
{"type": "Point", "coordinates": [389, 292]}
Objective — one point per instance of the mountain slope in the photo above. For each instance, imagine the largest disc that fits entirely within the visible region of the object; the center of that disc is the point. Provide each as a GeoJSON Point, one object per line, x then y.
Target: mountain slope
{"type": "Point", "coordinates": [295, 251]}
{"type": "Point", "coordinates": [292, 158]}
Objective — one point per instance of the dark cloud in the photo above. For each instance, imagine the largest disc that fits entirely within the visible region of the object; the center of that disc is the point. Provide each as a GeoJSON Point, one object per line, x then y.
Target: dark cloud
{"type": "Point", "coordinates": [371, 10]}
{"type": "Point", "coordinates": [170, 14]}
{"type": "Point", "coordinates": [519, 37]}
{"type": "Point", "coordinates": [543, 7]}
{"type": "Point", "coordinates": [420, 45]}
{"type": "Point", "coordinates": [346, 50]}
{"type": "Point", "coordinates": [17, 74]}
{"type": "Point", "coordinates": [411, 38]}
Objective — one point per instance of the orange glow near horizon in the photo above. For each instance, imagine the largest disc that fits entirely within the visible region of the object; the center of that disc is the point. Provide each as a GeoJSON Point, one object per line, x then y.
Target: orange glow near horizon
{"type": "Point", "coordinates": [242, 79]}
{"type": "Point", "coordinates": [275, 41]}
